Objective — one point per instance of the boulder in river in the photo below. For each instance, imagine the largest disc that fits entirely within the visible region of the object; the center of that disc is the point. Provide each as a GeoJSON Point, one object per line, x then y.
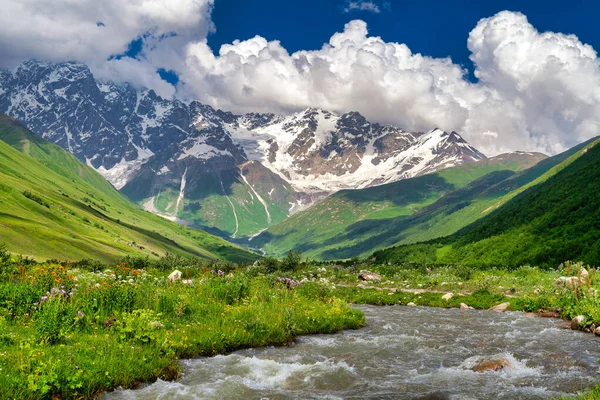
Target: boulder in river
{"type": "Point", "coordinates": [369, 276]}
{"type": "Point", "coordinates": [435, 396]}
{"type": "Point", "coordinates": [597, 331]}
{"type": "Point", "coordinates": [447, 296]}
{"type": "Point", "coordinates": [500, 307]}
{"type": "Point", "coordinates": [577, 321]}
{"type": "Point", "coordinates": [491, 365]}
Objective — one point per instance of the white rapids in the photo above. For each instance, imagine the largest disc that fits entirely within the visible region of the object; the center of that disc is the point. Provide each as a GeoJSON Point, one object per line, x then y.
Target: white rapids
{"type": "Point", "coordinates": [403, 353]}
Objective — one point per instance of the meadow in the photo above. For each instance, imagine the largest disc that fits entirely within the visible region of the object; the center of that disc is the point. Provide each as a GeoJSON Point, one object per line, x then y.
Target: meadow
{"type": "Point", "coordinates": [75, 330]}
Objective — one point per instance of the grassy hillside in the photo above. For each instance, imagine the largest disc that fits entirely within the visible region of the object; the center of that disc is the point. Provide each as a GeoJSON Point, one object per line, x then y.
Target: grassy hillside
{"type": "Point", "coordinates": [53, 206]}
{"type": "Point", "coordinates": [356, 222]}
{"type": "Point", "coordinates": [236, 202]}
{"type": "Point", "coordinates": [553, 218]}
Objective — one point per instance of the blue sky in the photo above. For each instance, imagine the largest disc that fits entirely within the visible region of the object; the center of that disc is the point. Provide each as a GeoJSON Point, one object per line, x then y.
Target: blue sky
{"type": "Point", "coordinates": [532, 81]}
{"type": "Point", "coordinates": [431, 27]}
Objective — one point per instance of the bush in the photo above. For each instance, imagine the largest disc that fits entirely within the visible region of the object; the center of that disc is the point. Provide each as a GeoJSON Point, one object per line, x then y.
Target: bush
{"type": "Point", "coordinates": [141, 326]}
{"type": "Point", "coordinates": [36, 198]}
{"type": "Point", "coordinates": [53, 321]}
{"type": "Point", "coordinates": [292, 261]}
{"type": "Point", "coordinates": [4, 254]}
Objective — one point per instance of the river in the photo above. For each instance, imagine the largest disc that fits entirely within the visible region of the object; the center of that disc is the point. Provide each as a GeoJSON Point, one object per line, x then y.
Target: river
{"type": "Point", "coordinates": [403, 353]}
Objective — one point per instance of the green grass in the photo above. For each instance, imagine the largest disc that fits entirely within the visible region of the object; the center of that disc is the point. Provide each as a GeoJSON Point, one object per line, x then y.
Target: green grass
{"type": "Point", "coordinates": [354, 223]}
{"type": "Point", "coordinates": [552, 218]}
{"type": "Point", "coordinates": [124, 326]}
{"type": "Point", "coordinates": [85, 216]}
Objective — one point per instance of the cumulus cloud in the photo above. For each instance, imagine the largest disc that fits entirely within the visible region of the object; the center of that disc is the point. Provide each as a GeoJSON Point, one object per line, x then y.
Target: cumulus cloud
{"type": "Point", "coordinates": [362, 5]}
{"type": "Point", "coordinates": [91, 31]}
{"type": "Point", "coordinates": [536, 91]}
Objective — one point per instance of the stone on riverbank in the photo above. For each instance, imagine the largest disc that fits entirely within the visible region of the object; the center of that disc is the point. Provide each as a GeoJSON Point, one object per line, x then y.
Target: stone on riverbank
{"type": "Point", "coordinates": [464, 306]}
{"type": "Point", "coordinates": [411, 304]}
{"type": "Point", "coordinates": [500, 307]}
{"type": "Point", "coordinates": [570, 281]}
{"type": "Point", "coordinates": [577, 321]}
{"type": "Point", "coordinates": [447, 296]}
{"type": "Point", "coordinates": [369, 276]}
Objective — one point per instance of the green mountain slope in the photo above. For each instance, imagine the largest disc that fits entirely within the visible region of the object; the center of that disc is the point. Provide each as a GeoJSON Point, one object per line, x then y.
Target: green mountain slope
{"type": "Point", "coordinates": [229, 203]}
{"type": "Point", "coordinates": [554, 218]}
{"type": "Point", "coordinates": [53, 206]}
{"type": "Point", "coordinates": [356, 222]}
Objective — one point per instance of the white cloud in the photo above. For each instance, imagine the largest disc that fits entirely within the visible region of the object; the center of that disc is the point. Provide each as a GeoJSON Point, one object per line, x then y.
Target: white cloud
{"type": "Point", "coordinates": [536, 91]}
{"type": "Point", "coordinates": [362, 5]}
{"type": "Point", "coordinates": [91, 31]}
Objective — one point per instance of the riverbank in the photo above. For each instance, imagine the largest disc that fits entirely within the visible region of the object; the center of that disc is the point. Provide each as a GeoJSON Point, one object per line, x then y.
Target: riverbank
{"type": "Point", "coordinates": [75, 332]}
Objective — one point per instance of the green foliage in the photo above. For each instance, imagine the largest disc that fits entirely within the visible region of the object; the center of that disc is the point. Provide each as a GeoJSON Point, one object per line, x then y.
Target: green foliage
{"type": "Point", "coordinates": [292, 261]}
{"type": "Point", "coordinates": [36, 198]}
{"type": "Point", "coordinates": [555, 220]}
{"type": "Point", "coordinates": [141, 326]}
{"type": "Point", "coordinates": [82, 215]}
{"type": "Point", "coordinates": [53, 321]}
{"type": "Point", "coordinates": [354, 223]}
{"type": "Point", "coordinates": [4, 254]}
{"type": "Point", "coordinates": [119, 326]}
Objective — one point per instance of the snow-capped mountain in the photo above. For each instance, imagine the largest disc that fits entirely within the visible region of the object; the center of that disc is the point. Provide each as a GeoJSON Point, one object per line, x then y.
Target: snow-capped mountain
{"type": "Point", "coordinates": [317, 150]}
{"type": "Point", "coordinates": [234, 173]}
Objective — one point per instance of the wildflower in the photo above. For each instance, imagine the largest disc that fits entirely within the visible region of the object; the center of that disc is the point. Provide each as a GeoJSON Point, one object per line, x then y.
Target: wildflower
{"type": "Point", "coordinates": [81, 314]}
{"type": "Point", "coordinates": [44, 298]}
{"type": "Point", "coordinates": [221, 272]}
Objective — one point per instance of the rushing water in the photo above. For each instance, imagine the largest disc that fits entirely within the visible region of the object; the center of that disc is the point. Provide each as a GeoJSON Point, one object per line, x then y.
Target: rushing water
{"type": "Point", "coordinates": [403, 353]}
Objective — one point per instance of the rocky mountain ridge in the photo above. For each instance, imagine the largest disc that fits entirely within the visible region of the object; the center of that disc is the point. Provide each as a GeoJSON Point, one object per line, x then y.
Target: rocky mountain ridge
{"type": "Point", "coordinates": [234, 173]}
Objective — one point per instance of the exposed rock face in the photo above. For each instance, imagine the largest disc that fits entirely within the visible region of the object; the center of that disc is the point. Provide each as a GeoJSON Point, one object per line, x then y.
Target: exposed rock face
{"type": "Point", "coordinates": [236, 174]}
{"type": "Point", "coordinates": [369, 276]}
{"type": "Point", "coordinates": [491, 365]}
{"type": "Point", "coordinates": [500, 307]}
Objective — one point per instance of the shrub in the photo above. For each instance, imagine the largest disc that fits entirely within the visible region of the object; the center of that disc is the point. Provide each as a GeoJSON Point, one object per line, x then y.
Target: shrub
{"type": "Point", "coordinates": [141, 326]}
{"type": "Point", "coordinates": [36, 198]}
{"type": "Point", "coordinates": [4, 254]}
{"type": "Point", "coordinates": [53, 321]}
{"type": "Point", "coordinates": [292, 261]}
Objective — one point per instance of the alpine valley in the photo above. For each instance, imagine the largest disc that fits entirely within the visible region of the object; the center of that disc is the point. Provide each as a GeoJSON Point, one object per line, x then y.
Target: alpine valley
{"type": "Point", "coordinates": [232, 175]}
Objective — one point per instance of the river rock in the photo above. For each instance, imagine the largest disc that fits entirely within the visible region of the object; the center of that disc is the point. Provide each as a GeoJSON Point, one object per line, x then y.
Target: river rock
{"type": "Point", "coordinates": [175, 276]}
{"type": "Point", "coordinates": [577, 321]}
{"type": "Point", "coordinates": [500, 307]}
{"type": "Point", "coordinates": [447, 296]}
{"type": "Point", "coordinates": [464, 306]}
{"type": "Point", "coordinates": [365, 275]}
{"type": "Point", "coordinates": [435, 396]}
{"type": "Point", "coordinates": [597, 331]}
{"type": "Point", "coordinates": [411, 304]}
{"type": "Point", "coordinates": [491, 365]}
{"type": "Point", "coordinates": [548, 314]}
{"type": "Point", "coordinates": [569, 281]}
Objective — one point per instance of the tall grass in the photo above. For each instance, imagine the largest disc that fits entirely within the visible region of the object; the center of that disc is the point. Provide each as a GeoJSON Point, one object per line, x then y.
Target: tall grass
{"type": "Point", "coordinates": [74, 333]}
